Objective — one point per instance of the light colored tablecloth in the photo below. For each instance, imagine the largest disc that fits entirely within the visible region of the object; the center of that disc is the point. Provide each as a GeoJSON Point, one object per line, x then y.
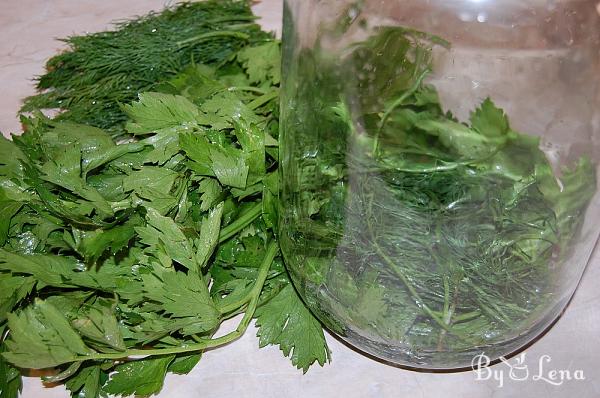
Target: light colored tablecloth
{"type": "Point", "coordinates": [27, 32]}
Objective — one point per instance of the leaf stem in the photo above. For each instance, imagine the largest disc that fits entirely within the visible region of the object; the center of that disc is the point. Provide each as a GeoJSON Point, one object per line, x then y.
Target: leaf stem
{"type": "Point", "coordinates": [242, 222]}
{"type": "Point", "coordinates": [418, 299]}
{"type": "Point", "coordinates": [260, 101]}
{"type": "Point", "coordinates": [203, 344]}
{"type": "Point", "coordinates": [396, 104]}
{"type": "Point", "coordinates": [246, 88]}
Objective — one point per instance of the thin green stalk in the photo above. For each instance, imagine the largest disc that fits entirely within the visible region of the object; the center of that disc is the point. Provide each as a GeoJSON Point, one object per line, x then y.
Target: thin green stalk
{"type": "Point", "coordinates": [248, 18]}
{"type": "Point", "coordinates": [247, 88]}
{"type": "Point", "coordinates": [203, 344]}
{"type": "Point", "coordinates": [418, 300]}
{"type": "Point", "coordinates": [417, 83]}
{"type": "Point", "coordinates": [242, 222]}
{"type": "Point", "coordinates": [260, 101]}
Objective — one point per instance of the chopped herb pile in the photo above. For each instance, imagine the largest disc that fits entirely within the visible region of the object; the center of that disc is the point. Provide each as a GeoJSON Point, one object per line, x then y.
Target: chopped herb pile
{"type": "Point", "coordinates": [112, 250]}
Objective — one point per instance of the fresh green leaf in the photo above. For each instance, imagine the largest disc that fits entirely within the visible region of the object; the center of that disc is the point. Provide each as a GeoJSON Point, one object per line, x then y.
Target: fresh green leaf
{"type": "Point", "coordinates": [209, 236]}
{"type": "Point", "coordinates": [93, 244]}
{"type": "Point", "coordinates": [10, 159]}
{"type": "Point", "coordinates": [157, 111]}
{"type": "Point", "coordinates": [182, 296]}
{"type": "Point", "coordinates": [184, 364]}
{"type": "Point", "coordinates": [88, 381]}
{"type": "Point", "coordinates": [11, 383]}
{"type": "Point", "coordinates": [60, 271]}
{"type": "Point", "coordinates": [463, 141]}
{"type": "Point", "coordinates": [142, 377]}
{"type": "Point", "coordinates": [166, 242]}
{"type": "Point", "coordinates": [230, 166]}
{"type": "Point", "coordinates": [8, 209]}
{"type": "Point", "coordinates": [97, 324]}
{"type": "Point", "coordinates": [252, 140]}
{"type": "Point", "coordinates": [262, 63]}
{"type": "Point", "coordinates": [13, 289]}
{"type": "Point", "coordinates": [489, 120]}
{"type": "Point", "coordinates": [41, 337]}
{"type": "Point", "coordinates": [285, 321]}
{"type": "Point", "coordinates": [211, 192]}
{"type": "Point", "coordinates": [197, 148]}
{"type": "Point", "coordinates": [223, 109]}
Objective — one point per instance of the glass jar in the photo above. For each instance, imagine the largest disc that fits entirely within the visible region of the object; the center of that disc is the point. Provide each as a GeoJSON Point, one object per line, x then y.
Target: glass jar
{"type": "Point", "coordinates": [439, 164]}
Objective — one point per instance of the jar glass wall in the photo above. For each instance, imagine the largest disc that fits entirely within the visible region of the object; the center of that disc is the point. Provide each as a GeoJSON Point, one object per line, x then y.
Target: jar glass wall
{"type": "Point", "coordinates": [439, 169]}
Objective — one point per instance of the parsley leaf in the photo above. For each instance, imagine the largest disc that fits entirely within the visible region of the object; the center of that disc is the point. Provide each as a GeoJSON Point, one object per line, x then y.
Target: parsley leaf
{"type": "Point", "coordinates": [143, 377]}
{"type": "Point", "coordinates": [285, 321]}
{"type": "Point", "coordinates": [97, 324]}
{"type": "Point", "coordinates": [182, 297]}
{"type": "Point", "coordinates": [156, 111]}
{"type": "Point", "coordinates": [10, 378]}
{"type": "Point", "coordinates": [139, 241]}
{"type": "Point", "coordinates": [262, 63]}
{"type": "Point", "coordinates": [88, 381]}
{"type": "Point", "coordinates": [41, 337]}
{"type": "Point", "coordinates": [489, 120]}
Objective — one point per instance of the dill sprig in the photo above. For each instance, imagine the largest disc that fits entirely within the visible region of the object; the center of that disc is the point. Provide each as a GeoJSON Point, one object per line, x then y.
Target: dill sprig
{"type": "Point", "coordinates": [100, 71]}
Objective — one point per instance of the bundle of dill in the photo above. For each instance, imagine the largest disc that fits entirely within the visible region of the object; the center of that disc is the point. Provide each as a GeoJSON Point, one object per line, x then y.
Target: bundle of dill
{"type": "Point", "coordinates": [101, 71]}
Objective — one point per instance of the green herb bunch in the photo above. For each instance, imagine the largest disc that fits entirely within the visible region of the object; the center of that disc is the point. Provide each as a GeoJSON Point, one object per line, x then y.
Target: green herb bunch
{"type": "Point", "coordinates": [420, 238]}
{"type": "Point", "coordinates": [101, 71]}
{"type": "Point", "coordinates": [116, 250]}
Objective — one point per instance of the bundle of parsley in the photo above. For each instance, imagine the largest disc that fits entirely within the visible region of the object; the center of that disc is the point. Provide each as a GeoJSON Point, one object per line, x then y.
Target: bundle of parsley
{"type": "Point", "coordinates": [141, 247]}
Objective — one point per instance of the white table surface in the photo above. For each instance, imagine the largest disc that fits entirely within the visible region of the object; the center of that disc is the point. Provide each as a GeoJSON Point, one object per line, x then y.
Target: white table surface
{"type": "Point", "coordinates": [28, 29]}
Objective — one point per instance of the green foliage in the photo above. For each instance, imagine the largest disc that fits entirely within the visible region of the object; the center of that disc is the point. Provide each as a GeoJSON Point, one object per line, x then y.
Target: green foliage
{"type": "Point", "coordinates": [88, 382]}
{"type": "Point", "coordinates": [10, 378]}
{"type": "Point", "coordinates": [41, 337]}
{"type": "Point", "coordinates": [262, 63]}
{"type": "Point", "coordinates": [182, 297]}
{"type": "Point", "coordinates": [144, 377]}
{"type": "Point", "coordinates": [415, 228]}
{"type": "Point", "coordinates": [102, 70]}
{"type": "Point", "coordinates": [156, 111]}
{"type": "Point", "coordinates": [285, 321]}
{"type": "Point", "coordinates": [113, 249]}
{"type": "Point", "coordinates": [98, 325]}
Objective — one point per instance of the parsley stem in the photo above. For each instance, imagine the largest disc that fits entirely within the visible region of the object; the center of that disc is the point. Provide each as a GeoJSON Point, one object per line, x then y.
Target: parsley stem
{"type": "Point", "coordinates": [250, 89]}
{"type": "Point", "coordinates": [260, 101]}
{"type": "Point", "coordinates": [226, 309]}
{"type": "Point", "coordinates": [202, 344]}
{"type": "Point", "coordinates": [242, 222]}
{"type": "Point", "coordinates": [417, 83]}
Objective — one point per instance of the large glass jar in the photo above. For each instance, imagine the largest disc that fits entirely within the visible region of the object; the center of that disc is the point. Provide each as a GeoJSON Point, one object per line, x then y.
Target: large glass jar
{"type": "Point", "coordinates": [439, 169]}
